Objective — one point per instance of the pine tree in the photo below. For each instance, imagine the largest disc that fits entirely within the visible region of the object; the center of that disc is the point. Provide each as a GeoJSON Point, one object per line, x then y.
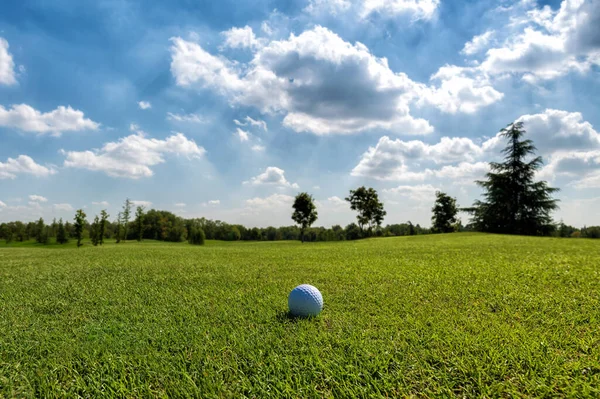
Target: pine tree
{"type": "Point", "coordinates": [102, 228]}
{"type": "Point", "coordinates": [139, 222]}
{"type": "Point", "coordinates": [125, 218]}
{"type": "Point", "coordinates": [513, 202]}
{"type": "Point", "coordinates": [95, 231]}
{"type": "Point", "coordinates": [79, 225]}
{"type": "Point", "coordinates": [41, 234]}
{"type": "Point", "coordinates": [61, 233]}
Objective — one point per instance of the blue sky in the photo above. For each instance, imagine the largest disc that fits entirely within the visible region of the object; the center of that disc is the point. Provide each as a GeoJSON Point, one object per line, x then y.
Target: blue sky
{"type": "Point", "coordinates": [228, 109]}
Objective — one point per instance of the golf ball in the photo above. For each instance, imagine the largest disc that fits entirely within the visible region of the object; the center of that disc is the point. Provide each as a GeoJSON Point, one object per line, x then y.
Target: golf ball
{"type": "Point", "coordinates": [305, 300]}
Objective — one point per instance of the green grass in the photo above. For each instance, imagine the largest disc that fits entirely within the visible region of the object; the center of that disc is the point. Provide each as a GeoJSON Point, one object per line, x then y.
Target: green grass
{"type": "Point", "coordinates": [464, 315]}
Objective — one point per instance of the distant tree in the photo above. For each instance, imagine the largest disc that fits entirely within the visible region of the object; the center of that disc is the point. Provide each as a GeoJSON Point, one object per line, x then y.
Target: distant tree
{"type": "Point", "coordinates": [139, 222]}
{"type": "Point", "coordinates": [305, 212]}
{"type": "Point", "coordinates": [119, 227]}
{"type": "Point", "coordinates": [411, 229]}
{"type": "Point", "coordinates": [514, 203]}
{"type": "Point", "coordinates": [126, 214]}
{"type": "Point", "coordinates": [234, 234]}
{"type": "Point", "coordinates": [7, 232]}
{"type": "Point", "coordinates": [370, 209]}
{"type": "Point", "coordinates": [102, 227]}
{"type": "Point", "coordinates": [53, 227]}
{"type": "Point", "coordinates": [61, 233]}
{"type": "Point", "coordinates": [196, 235]}
{"type": "Point", "coordinates": [444, 213]}
{"type": "Point", "coordinates": [353, 232]}
{"type": "Point", "coordinates": [95, 231]}
{"type": "Point", "coordinates": [41, 235]}
{"type": "Point", "coordinates": [79, 225]}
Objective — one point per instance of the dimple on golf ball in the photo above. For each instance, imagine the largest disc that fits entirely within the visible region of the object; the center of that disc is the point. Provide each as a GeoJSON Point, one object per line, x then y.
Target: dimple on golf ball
{"type": "Point", "coordinates": [305, 300]}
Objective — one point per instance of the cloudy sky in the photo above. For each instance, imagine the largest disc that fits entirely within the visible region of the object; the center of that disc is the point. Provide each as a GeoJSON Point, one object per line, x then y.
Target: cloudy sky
{"type": "Point", "coordinates": [227, 109]}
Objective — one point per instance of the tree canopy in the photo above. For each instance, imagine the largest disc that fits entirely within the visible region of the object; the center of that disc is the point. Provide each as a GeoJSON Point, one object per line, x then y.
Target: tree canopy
{"type": "Point", "coordinates": [305, 212]}
{"type": "Point", "coordinates": [370, 209]}
{"type": "Point", "coordinates": [444, 213]}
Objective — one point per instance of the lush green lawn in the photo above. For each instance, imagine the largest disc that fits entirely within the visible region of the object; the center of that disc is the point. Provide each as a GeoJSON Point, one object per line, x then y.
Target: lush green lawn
{"type": "Point", "coordinates": [454, 315]}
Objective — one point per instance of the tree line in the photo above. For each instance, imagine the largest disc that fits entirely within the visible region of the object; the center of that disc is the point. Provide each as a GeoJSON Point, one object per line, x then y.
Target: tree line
{"type": "Point", "coordinates": [513, 203]}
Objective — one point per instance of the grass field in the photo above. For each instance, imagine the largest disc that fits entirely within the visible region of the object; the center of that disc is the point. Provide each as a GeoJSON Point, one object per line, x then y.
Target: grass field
{"type": "Point", "coordinates": [464, 315]}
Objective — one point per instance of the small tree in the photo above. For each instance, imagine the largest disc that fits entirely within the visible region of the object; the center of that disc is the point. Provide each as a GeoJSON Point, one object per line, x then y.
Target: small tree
{"type": "Point", "coordinates": [95, 231]}
{"type": "Point", "coordinates": [305, 212]}
{"type": "Point", "coordinates": [119, 227]}
{"type": "Point", "coordinates": [139, 222]}
{"type": "Point", "coordinates": [196, 235]}
{"type": "Point", "coordinates": [41, 235]}
{"type": "Point", "coordinates": [444, 213]}
{"type": "Point", "coordinates": [61, 233]}
{"type": "Point", "coordinates": [102, 228]}
{"type": "Point", "coordinates": [125, 218]}
{"type": "Point", "coordinates": [79, 225]}
{"type": "Point", "coordinates": [370, 209]}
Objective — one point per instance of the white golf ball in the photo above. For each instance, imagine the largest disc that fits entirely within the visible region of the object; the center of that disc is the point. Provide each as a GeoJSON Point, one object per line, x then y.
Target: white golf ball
{"type": "Point", "coordinates": [305, 300]}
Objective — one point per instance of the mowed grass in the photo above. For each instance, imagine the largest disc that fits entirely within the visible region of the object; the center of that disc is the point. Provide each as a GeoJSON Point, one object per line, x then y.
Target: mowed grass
{"type": "Point", "coordinates": [466, 315]}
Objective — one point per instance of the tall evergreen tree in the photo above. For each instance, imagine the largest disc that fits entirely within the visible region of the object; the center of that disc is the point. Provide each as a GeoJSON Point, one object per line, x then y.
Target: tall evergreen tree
{"type": "Point", "coordinates": [102, 228]}
{"type": "Point", "coordinates": [305, 212]}
{"type": "Point", "coordinates": [61, 233]}
{"type": "Point", "coordinates": [79, 225]}
{"type": "Point", "coordinates": [126, 214]}
{"type": "Point", "coordinates": [41, 232]}
{"type": "Point", "coordinates": [139, 222]}
{"type": "Point", "coordinates": [444, 213]}
{"type": "Point", "coordinates": [95, 231]}
{"type": "Point", "coordinates": [513, 202]}
{"type": "Point", "coordinates": [119, 227]}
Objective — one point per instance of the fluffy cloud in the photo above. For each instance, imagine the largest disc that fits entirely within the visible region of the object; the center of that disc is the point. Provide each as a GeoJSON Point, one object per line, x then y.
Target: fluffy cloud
{"type": "Point", "coordinates": [132, 156]}
{"type": "Point", "coordinates": [145, 204]}
{"type": "Point", "coordinates": [180, 205]}
{"type": "Point", "coordinates": [257, 148]}
{"type": "Point", "coordinates": [252, 122]}
{"type": "Point", "coordinates": [188, 118]}
{"type": "Point", "coordinates": [28, 119]}
{"type": "Point", "coordinates": [460, 89]}
{"type": "Point", "coordinates": [418, 9]}
{"type": "Point", "coordinates": [548, 44]}
{"type": "Point", "coordinates": [38, 198]}
{"type": "Point", "coordinates": [420, 193]}
{"type": "Point", "coordinates": [321, 83]}
{"type": "Point", "coordinates": [2, 204]}
{"type": "Point", "coordinates": [62, 207]}
{"type": "Point", "coordinates": [242, 38]}
{"type": "Point", "coordinates": [478, 43]}
{"type": "Point", "coordinates": [144, 105]}
{"type": "Point", "coordinates": [212, 203]}
{"type": "Point", "coordinates": [23, 164]}
{"type": "Point", "coordinates": [272, 203]}
{"type": "Point", "coordinates": [272, 176]}
{"type": "Point", "coordinates": [102, 203]}
{"type": "Point", "coordinates": [554, 130]}
{"type": "Point", "coordinates": [7, 65]}
{"type": "Point", "coordinates": [242, 134]}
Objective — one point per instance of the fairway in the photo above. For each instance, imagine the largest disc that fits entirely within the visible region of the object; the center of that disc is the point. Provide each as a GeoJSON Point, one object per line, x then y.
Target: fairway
{"type": "Point", "coordinates": [466, 315]}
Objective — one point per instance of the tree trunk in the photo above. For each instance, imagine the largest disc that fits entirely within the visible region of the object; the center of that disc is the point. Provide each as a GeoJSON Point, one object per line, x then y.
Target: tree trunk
{"type": "Point", "coordinates": [302, 235]}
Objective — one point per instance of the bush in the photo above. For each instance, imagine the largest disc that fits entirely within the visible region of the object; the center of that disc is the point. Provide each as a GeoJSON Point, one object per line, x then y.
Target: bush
{"type": "Point", "coordinates": [196, 236]}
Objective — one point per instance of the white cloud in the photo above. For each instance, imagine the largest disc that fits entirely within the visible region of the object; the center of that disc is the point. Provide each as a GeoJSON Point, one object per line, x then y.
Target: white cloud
{"type": "Point", "coordinates": [23, 164]}
{"type": "Point", "coordinates": [316, 187]}
{"type": "Point", "coordinates": [272, 176]}
{"type": "Point", "coordinates": [478, 43]}
{"type": "Point", "coordinates": [38, 198]}
{"type": "Point", "coordinates": [274, 203]}
{"type": "Point", "coordinates": [252, 122]}
{"type": "Point", "coordinates": [188, 118]}
{"type": "Point", "coordinates": [144, 105]}
{"type": "Point", "coordinates": [132, 156]}
{"type": "Point", "coordinates": [546, 44]}
{"type": "Point", "coordinates": [2, 204]}
{"type": "Point", "coordinates": [145, 204]}
{"type": "Point", "coordinates": [418, 9]}
{"type": "Point", "coordinates": [420, 193]}
{"type": "Point", "coordinates": [242, 38]}
{"type": "Point", "coordinates": [258, 148]}
{"type": "Point", "coordinates": [461, 89]}
{"type": "Point", "coordinates": [214, 202]}
{"type": "Point", "coordinates": [329, 7]}
{"type": "Point", "coordinates": [321, 83]}
{"type": "Point", "coordinates": [242, 134]}
{"type": "Point", "coordinates": [102, 203]}
{"type": "Point", "coordinates": [591, 180]}
{"type": "Point", "coordinates": [63, 207]}
{"type": "Point", "coordinates": [180, 205]}
{"type": "Point", "coordinates": [7, 65]}
{"type": "Point", "coordinates": [28, 119]}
